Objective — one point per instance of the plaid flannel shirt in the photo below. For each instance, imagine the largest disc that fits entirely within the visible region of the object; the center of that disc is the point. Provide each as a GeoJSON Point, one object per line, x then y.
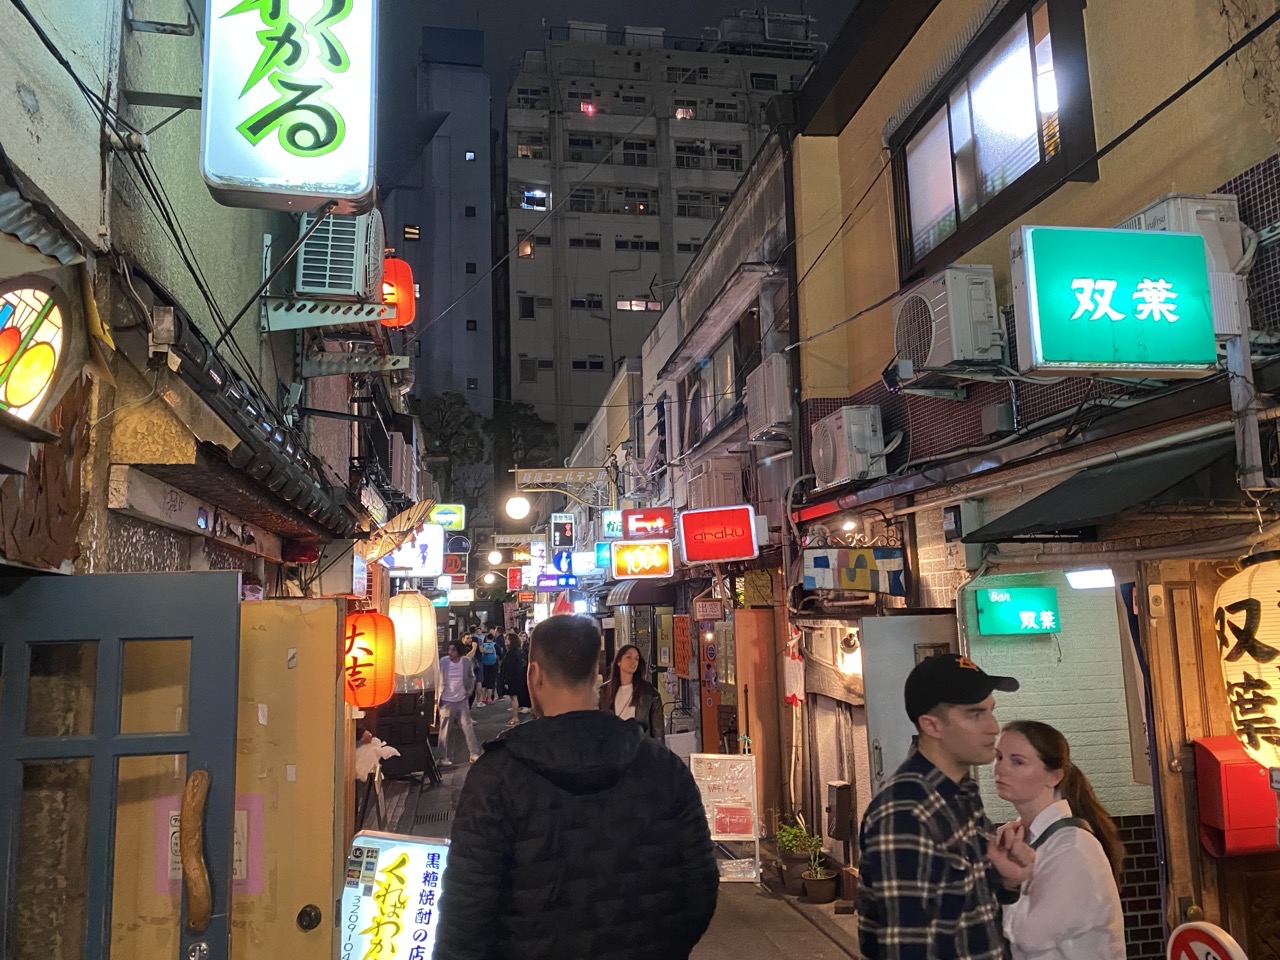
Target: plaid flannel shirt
{"type": "Point", "coordinates": [926, 889]}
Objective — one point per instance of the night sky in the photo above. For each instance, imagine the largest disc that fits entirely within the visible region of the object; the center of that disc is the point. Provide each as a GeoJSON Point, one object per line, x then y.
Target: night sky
{"type": "Point", "coordinates": [512, 26]}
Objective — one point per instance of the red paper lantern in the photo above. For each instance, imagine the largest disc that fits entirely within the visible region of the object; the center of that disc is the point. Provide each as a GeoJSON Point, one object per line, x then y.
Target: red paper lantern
{"type": "Point", "coordinates": [368, 659]}
{"type": "Point", "coordinates": [397, 292]}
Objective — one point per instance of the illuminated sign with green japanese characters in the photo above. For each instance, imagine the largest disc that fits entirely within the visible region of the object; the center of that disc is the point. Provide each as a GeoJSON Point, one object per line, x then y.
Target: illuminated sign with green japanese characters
{"type": "Point", "coordinates": [287, 117]}
{"type": "Point", "coordinates": [1120, 302]}
{"type": "Point", "coordinates": [1017, 610]}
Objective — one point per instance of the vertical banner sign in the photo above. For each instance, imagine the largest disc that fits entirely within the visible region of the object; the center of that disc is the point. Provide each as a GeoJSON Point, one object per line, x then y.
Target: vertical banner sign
{"type": "Point", "coordinates": [288, 110]}
{"type": "Point", "coordinates": [391, 896]}
{"type": "Point", "coordinates": [562, 531]}
{"type": "Point", "coordinates": [515, 578]}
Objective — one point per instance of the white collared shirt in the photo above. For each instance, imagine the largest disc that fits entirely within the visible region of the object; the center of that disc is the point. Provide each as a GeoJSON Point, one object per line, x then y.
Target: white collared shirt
{"type": "Point", "coordinates": [1070, 908]}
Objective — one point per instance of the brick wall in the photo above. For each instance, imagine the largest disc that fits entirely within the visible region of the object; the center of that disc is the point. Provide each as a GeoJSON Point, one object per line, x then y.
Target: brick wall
{"type": "Point", "coordinates": [1140, 889]}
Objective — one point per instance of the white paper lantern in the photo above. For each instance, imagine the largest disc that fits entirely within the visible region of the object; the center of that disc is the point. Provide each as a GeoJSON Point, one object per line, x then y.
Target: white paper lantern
{"type": "Point", "coordinates": [417, 648]}
{"type": "Point", "coordinates": [1246, 619]}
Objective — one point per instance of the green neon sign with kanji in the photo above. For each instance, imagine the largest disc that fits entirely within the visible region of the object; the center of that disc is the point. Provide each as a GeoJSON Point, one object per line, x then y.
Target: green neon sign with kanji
{"type": "Point", "coordinates": [1004, 611]}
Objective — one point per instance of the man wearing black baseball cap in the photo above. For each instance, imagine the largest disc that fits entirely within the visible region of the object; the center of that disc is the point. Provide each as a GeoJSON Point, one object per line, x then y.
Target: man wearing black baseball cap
{"type": "Point", "coordinates": [929, 885]}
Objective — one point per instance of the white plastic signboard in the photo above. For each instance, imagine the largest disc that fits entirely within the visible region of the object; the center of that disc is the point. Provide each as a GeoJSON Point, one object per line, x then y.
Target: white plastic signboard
{"type": "Point", "coordinates": [727, 784]}
{"type": "Point", "coordinates": [287, 120]}
{"type": "Point", "coordinates": [391, 896]}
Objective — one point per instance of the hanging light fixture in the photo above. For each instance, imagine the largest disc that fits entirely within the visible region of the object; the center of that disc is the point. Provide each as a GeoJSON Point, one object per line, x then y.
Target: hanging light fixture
{"type": "Point", "coordinates": [397, 292]}
{"type": "Point", "coordinates": [1246, 620]}
{"type": "Point", "coordinates": [368, 659]}
{"type": "Point", "coordinates": [417, 649]}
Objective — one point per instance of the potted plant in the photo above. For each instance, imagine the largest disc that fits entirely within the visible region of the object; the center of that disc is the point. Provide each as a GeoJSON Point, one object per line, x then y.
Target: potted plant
{"type": "Point", "coordinates": [793, 846]}
{"type": "Point", "coordinates": [819, 882]}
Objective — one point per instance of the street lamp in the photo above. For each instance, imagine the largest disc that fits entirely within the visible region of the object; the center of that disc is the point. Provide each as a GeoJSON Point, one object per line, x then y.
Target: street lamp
{"type": "Point", "coordinates": [495, 556]}
{"type": "Point", "coordinates": [490, 577]}
{"type": "Point", "coordinates": [518, 507]}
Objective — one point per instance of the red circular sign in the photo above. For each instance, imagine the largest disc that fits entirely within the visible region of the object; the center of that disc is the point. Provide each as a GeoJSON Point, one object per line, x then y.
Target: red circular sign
{"type": "Point", "coordinates": [1203, 941]}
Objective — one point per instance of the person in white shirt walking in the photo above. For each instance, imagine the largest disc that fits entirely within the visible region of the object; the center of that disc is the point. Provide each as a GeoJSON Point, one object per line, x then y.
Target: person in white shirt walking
{"type": "Point", "coordinates": [458, 683]}
{"type": "Point", "coordinates": [1070, 907]}
{"type": "Point", "coordinates": [629, 694]}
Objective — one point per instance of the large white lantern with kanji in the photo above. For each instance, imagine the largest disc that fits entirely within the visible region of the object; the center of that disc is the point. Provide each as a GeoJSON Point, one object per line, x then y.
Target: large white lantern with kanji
{"type": "Point", "coordinates": [417, 647]}
{"type": "Point", "coordinates": [1246, 620]}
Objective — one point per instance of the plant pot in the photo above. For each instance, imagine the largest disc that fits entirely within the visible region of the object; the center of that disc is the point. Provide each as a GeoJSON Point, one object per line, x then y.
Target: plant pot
{"type": "Point", "coordinates": [820, 889]}
{"type": "Point", "coordinates": [793, 865]}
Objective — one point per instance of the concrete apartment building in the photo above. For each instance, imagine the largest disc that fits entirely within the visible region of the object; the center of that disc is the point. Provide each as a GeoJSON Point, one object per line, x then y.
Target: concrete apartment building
{"type": "Point", "coordinates": [438, 212]}
{"type": "Point", "coordinates": [622, 149]}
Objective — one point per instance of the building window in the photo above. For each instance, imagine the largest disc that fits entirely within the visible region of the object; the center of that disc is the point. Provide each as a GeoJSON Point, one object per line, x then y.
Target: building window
{"type": "Point", "coordinates": [544, 303]}
{"type": "Point", "coordinates": [693, 247]}
{"type": "Point", "coordinates": [764, 81]}
{"type": "Point", "coordinates": [471, 267]}
{"type": "Point", "coordinates": [528, 370]}
{"type": "Point", "coordinates": [582, 200]}
{"type": "Point", "coordinates": [726, 111]}
{"type": "Point", "coordinates": [546, 363]}
{"type": "Point", "coordinates": [640, 305]}
{"type": "Point", "coordinates": [686, 109]}
{"type": "Point", "coordinates": [710, 392]}
{"type": "Point", "coordinates": [579, 426]}
{"type": "Point", "coordinates": [468, 211]}
{"type": "Point", "coordinates": [587, 243]}
{"type": "Point", "coordinates": [592, 301]}
{"type": "Point", "coordinates": [417, 291]}
{"type": "Point", "coordinates": [535, 198]}
{"type": "Point", "coordinates": [590, 363]}
{"type": "Point", "coordinates": [412, 232]}
{"type": "Point", "coordinates": [579, 364]}
{"type": "Point", "coordinates": [728, 156]}
{"type": "Point", "coordinates": [525, 308]}
{"type": "Point", "coordinates": [473, 383]}
{"type": "Point", "coordinates": [637, 202]}
{"type": "Point", "coordinates": [636, 153]}
{"type": "Point", "coordinates": [469, 156]}
{"type": "Point", "coordinates": [524, 248]}
{"type": "Point", "coordinates": [992, 138]}
{"type": "Point", "coordinates": [690, 154]}
{"type": "Point", "coordinates": [531, 146]}
{"type": "Point", "coordinates": [532, 98]}
{"type": "Point", "coordinates": [696, 203]}
{"type": "Point", "coordinates": [472, 325]}
{"type": "Point", "coordinates": [542, 240]}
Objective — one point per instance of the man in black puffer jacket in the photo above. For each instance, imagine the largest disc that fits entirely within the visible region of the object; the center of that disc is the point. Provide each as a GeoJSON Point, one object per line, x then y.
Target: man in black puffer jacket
{"type": "Point", "coordinates": [577, 837]}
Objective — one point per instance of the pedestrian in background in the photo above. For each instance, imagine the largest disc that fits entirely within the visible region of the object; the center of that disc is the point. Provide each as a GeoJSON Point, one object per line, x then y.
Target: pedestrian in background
{"type": "Point", "coordinates": [457, 682]}
{"type": "Point", "coordinates": [487, 657]}
{"type": "Point", "coordinates": [577, 837]}
{"type": "Point", "coordinates": [629, 695]}
{"type": "Point", "coordinates": [514, 665]}
{"type": "Point", "coordinates": [930, 885]}
{"type": "Point", "coordinates": [1070, 907]}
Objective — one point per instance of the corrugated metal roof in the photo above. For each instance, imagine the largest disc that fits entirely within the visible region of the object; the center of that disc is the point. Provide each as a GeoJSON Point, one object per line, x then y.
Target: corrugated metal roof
{"type": "Point", "coordinates": [20, 219]}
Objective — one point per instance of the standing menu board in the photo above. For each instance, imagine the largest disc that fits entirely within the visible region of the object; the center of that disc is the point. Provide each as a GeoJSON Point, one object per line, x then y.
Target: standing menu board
{"type": "Point", "coordinates": [727, 783]}
{"type": "Point", "coordinates": [390, 897]}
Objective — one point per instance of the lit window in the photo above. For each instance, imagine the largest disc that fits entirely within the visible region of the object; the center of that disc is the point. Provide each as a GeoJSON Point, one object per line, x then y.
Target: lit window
{"type": "Point", "coordinates": [411, 232]}
{"type": "Point", "coordinates": [966, 145]}
{"type": "Point", "coordinates": [469, 156]}
{"type": "Point", "coordinates": [587, 107]}
{"type": "Point", "coordinates": [640, 305]}
{"type": "Point", "coordinates": [473, 383]}
{"type": "Point", "coordinates": [524, 248]}
{"type": "Point", "coordinates": [417, 291]}
{"type": "Point", "coordinates": [686, 109]}
{"type": "Point", "coordinates": [536, 198]}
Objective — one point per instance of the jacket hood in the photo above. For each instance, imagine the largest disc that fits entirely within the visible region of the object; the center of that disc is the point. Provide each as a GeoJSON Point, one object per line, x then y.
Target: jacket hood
{"type": "Point", "coordinates": [583, 752]}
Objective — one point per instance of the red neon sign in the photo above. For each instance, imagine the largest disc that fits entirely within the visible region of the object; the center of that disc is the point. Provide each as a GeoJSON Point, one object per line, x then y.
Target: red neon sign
{"type": "Point", "coordinates": [515, 578]}
{"type": "Point", "coordinates": [640, 559]}
{"type": "Point", "coordinates": [647, 523]}
{"type": "Point", "coordinates": [718, 534]}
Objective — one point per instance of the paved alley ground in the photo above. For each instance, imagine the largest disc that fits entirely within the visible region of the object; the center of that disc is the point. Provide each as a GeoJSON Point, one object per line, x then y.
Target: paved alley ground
{"type": "Point", "coordinates": [751, 923]}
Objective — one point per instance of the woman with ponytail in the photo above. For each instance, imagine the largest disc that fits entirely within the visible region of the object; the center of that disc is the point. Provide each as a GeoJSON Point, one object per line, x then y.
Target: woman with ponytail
{"type": "Point", "coordinates": [1070, 908]}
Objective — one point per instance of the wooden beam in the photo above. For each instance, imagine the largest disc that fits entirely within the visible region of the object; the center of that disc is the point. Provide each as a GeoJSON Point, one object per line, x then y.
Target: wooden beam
{"type": "Point", "coordinates": [139, 495]}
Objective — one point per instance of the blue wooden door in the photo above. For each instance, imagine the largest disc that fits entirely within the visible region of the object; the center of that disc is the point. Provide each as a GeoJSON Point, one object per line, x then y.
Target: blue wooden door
{"type": "Point", "coordinates": [117, 719]}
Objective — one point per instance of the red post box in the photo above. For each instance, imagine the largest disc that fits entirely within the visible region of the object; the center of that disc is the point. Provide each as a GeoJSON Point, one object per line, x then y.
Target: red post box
{"type": "Point", "coordinates": [1237, 805]}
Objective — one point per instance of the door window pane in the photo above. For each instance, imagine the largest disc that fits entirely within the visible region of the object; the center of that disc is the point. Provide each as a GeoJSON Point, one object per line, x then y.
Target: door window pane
{"type": "Point", "coordinates": [155, 689]}
{"type": "Point", "coordinates": [146, 883]}
{"type": "Point", "coordinates": [61, 689]}
{"type": "Point", "coordinates": [50, 870]}
{"type": "Point", "coordinates": [933, 208]}
{"type": "Point", "coordinates": [1046, 83]}
{"type": "Point", "coordinates": [1005, 124]}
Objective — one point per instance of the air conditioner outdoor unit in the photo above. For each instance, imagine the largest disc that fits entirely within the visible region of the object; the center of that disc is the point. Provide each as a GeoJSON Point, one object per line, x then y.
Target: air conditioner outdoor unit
{"type": "Point", "coordinates": [715, 483]}
{"type": "Point", "coordinates": [848, 445]}
{"type": "Point", "coordinates": [343, 258]}
{"type": "Point", "coordinates": [1216, 217]}
{"type": "Point", "coordinates": [768, 397]}
{"type": "Point", "coordinates": [949, 319]}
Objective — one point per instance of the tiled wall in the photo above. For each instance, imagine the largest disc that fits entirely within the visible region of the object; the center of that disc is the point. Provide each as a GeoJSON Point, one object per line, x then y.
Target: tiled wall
{"type": "Point", "coordinates": [1140, 889]}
